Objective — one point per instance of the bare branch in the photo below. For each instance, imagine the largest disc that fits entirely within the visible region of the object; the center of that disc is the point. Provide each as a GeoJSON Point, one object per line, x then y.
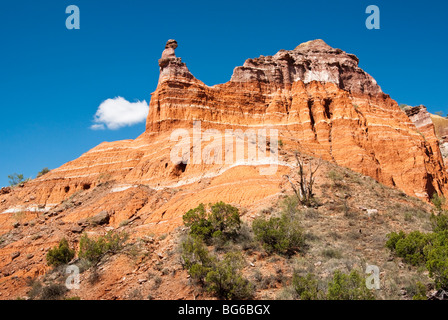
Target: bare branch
{"type": "Point", "coordinates": [303, 188]}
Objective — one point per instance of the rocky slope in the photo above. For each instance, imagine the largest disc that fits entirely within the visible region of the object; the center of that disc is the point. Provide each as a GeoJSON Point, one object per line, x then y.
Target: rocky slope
{"type": "Point", "coordinates": [347, 230]}
{"type": "Point", "coordinates": [318, 99]}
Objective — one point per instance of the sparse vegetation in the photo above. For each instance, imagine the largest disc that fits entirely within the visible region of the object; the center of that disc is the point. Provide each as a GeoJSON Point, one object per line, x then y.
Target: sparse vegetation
{"type": "Point", "coordinates": [221, 221]}
{"type": "Point", "coordinates": [428, 249]}
{"type": "Point", "coordinates": [62, 254]}
{"type": "Point", "coordinates": [52, 291]}
{"type": "Point", "coordinates": [124, 223]}
{"type": "Point", "coordinates": [437, 259]}
{"type": "Point", "coordinates": [348, 287]}
{"type": "Point", "coordinates": [303, 187]}
{"type": "Point", "coordinates": [331, 253]}
{"type": "Point", "coordinates": [419, 292]}
{"type": "Point", "coordinates": [226, 281]}
{"type": "Point", "coordinates": [93, 250]}
{"type": "Point", "coordinates": [196, 258]}
{"type": "Point", "coordinates": [94, 276]}
{"type": "Point", "coordinates": [439, 222]}
{"type": "Point", "coordinates": [280, 143]}
{"type": "Point", "coordinates": [282, 234]}
{"type": "Point", "coordinates": [341, 286]}
{"type": "Point", "coordinates": [221, 277]}
{"type": "Point", "coordinates": [306, 287]}
{"type": "Point", "coordinates": [157, 281]}
{"type": "Point", "coordinates": [16, 179]}
{"type": "Point", "coordinates": [409, 247]}
{"type": "Point", "coordinates": [44, 171]}
{"type": "Point", "coordinates": [438, 201]}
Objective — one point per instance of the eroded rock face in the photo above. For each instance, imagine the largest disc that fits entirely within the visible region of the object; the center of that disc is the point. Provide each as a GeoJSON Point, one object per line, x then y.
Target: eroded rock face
{"type": "Point", "coordinates": [170, 65]}
{"type": "Point", "coordinates": [317, 98]}
{"type": "Point", "coordinates": [310, 61]}
{"type": "Point", "coordinates": [433, 127]}
{"type": "Point", "coordinates": [322, 103]}
{"type": "Point", "coordinates": [168, 54]}
{"type": "Point", "coordinates": [420, 116]}
{"type": "Point", "coordinates": [441, 129]}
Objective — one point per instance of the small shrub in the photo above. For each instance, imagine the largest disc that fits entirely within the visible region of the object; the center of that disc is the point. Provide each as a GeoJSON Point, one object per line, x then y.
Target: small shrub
{"type": "Point", "coordinates": [393, 238]}
{"type": "Point", "coordinates": [280, 143]}
{"type": "Point", "coordinates": [438, 201]}
{"type": "Point", "coordinates": [196, 258]}
{"type": "Point", "coordinates": [258, 276]}
{"type": "Point", "coordinates": [222, 222]}
{"type": "Point", "coordinates": [36, 289]}
{"type": "Point", "coordinates": [282, 234]}
{"type": "Point", "coordinates": [306, 287]}
{"type": "Point", "coordinates": [94, 276]}
{"type": "Point", "coordinates": [335, 176]}
{"type": "Point", "coordinates": [289, 205]}
{"type": "Point", "coordinates": [16, 179]}
{"type": "Point", "coordinates": [408, 217]}
{"type": "Point", "coordinates": [196, 219]}
{"type": "Point", "coordinates": [430, 250]}
{"type": "Point", "coordinates": [62, 254]}
{"type": "Point", "coordinates": [348, 213]}
{"type": "Point", "coordinates": [334, 235]}
{"type": "Point", "coordinates": [135, 295]}
{"type": "Point", "coordinates": [157, 282]}
{"type": "Point", "coordinates": [348, 287]}
{"type": "Point", "coordinates": [163, 237]}
{"type": "Point", "coordinates": [420, 292]}
{"type": "Point", "coordinates": [440, 222]}
{"type": "Point", "coordinates": [53, 292]}
{"type": "Point", "coordinates": [124, 223]}
{"type": "Point", "coordinates": [93, 250]}
{"type": "Point", "coordinates": [221, 277]}
{"type": "Point", "coordinates": [42, 172]}
{"type": "Point", "coordinates": [226, 281]}
{"type": "Point", "coordinates": [411, 248]}
{"type": "Point", "coordinates": [332, 253]}
{"type": "Point", "coordinates": [225, 218]}
{"type": "Point", "coordinates": [245, 239]}
{"type": "Point", "coordinates": [437, 259]}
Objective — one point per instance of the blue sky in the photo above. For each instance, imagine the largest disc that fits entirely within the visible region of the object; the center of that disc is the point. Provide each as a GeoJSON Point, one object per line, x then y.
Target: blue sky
{"type": "Point", "coordinates": [52, 80]}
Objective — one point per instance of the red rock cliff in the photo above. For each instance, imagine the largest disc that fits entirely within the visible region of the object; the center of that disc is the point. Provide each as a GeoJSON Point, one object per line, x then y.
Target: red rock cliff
{"type": "Point", "coordinates": [321, 102]}
{"type": "Point", "coordinates": [317, 97]}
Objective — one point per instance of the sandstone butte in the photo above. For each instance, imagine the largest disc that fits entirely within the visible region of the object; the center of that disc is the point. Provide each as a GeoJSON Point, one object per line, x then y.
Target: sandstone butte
{"type": "Point", "coordinates": [318, 99]}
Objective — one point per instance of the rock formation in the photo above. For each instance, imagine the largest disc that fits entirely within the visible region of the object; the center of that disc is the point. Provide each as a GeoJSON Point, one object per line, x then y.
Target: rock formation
{"type": "Point", "coordinates": [170, 65]}
{"type": "Point", "coordinates": [433, 127]}
{"type": "Point", "coordinates": [441, 129]}
{"type": "Point", "coordinates": [310, 61]}
{"type": "Point", "coordinates": [317, 98]}
{"type": "Point", "coordinates": [321, 102]}
{"type": "Point", "coordinates": [168, 54]}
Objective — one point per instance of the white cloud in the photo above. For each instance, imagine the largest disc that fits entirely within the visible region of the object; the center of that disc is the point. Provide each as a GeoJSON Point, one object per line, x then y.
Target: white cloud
{"type": "Point", "coordinates": [118, 112]}
{"type": "Point", "coordinates": [97, 127]}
